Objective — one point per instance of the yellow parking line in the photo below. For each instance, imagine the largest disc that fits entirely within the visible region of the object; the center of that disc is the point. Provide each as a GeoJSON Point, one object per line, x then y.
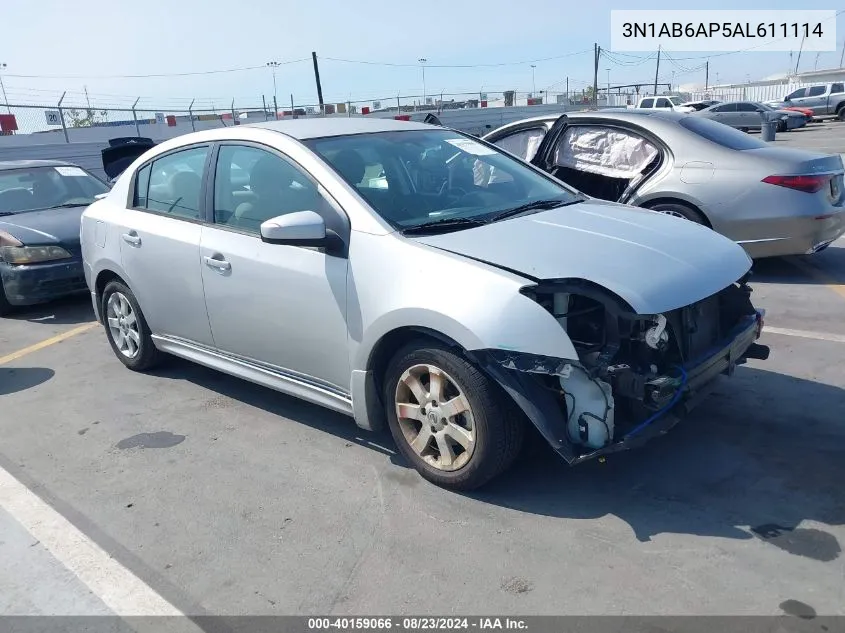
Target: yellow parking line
{"type": "Point", "coordinates": [47, 343]}
{"type": "Point", "coordinates": [819, 275]}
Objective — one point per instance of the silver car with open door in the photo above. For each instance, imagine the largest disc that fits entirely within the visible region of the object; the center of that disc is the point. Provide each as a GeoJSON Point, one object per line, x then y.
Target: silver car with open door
{"type": "Point", "coordinates": [771, 200]}
{"type": "Point", "coordinates": [412, 276]}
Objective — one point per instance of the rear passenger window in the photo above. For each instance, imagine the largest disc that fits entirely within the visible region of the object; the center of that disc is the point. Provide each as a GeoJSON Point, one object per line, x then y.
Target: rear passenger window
{"type": "Point", "coordinates": [816, 91]}
{"type": "Point", "coordinates": [173, 184]}
{"type": "Point", "coordinates": [647, 103]}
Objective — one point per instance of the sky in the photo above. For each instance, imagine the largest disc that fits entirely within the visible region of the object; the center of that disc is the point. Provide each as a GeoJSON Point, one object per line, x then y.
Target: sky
{"type": "Point", "coordinates": [51, 46]}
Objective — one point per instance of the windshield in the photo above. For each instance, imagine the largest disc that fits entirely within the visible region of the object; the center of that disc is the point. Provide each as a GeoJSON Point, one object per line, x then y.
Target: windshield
{"type": "Point", "coordinates": [675, 101]}
{"type": "Point", "coordinates": [417, 177]}
{"type": "Point", "coordinates": [36, 188]}
{"type": "Point", "coordinates": [765, 106]}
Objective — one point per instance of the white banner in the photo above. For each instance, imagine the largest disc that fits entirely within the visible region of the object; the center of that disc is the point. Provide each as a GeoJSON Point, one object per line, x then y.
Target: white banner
{"type": "Point", "coordinates": [723, 30]}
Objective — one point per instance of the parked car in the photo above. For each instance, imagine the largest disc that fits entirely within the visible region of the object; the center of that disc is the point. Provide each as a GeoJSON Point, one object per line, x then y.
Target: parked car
{"type": "Point", "coordinates": [807, 112]}
{"type": "Point", "coordinates": [41, 203]}
{"type": "Point", "coordinates": [771, 200]}
{"type": "Point", "coordinates": [700, 105]}
{"type": "Point", "coordinates": [451, 308]}
{"type": "Point", "coordinates": [668, 102]}
{"type": "Point", "coordinates": [823, 100]}
{"type": "Point", "coordinates": [749, 115]}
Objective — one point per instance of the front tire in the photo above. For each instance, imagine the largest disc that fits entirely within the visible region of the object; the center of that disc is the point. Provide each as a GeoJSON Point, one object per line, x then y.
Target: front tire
{"type": "Point", "coordinates": [126, 328]}
{"type": "Point", "coordinates": [449, 420]}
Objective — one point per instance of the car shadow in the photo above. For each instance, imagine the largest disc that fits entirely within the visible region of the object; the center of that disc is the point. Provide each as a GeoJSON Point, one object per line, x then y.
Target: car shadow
{"type": "Point", "coordinates": [17, 379]}
{"type": "Point", "coordinates": [821, 268]}
{"type": "Point", "coordinates": [753, 461]}
{"type": "Point", "coordinates": [71, 310]}
{"type": "Point", "coordinates": [280, 404]}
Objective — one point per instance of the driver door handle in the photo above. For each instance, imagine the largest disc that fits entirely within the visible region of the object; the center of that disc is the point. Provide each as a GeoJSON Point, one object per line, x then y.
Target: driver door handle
{"type": "Point", "coordinates": [217, 264]}
{"type": "Point", "coordinates": [131, 238]}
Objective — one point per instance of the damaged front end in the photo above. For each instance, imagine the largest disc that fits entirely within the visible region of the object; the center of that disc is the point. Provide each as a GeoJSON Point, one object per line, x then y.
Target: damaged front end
{"type": "Point", "coordinates": [636, 375]}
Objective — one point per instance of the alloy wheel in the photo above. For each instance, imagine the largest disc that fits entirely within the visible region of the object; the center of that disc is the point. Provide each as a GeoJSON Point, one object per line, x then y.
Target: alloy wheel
{"type": "Point", "coordinates": [123, 325]}
{"type": "Point", "coordinates": [435, 417]}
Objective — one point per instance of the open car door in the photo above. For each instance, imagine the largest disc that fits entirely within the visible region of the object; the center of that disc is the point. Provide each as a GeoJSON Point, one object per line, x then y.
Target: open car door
{"type": "Point", "coordinates": [122, 152]}
{"type": "Point", "coordinates": [602, 160]}
{"type": "Point", "coordinates": [544, 156]}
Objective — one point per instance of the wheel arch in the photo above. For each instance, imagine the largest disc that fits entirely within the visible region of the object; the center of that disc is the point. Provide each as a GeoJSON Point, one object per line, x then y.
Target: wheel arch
{"type": "Point", "coordinates": [109, 272]}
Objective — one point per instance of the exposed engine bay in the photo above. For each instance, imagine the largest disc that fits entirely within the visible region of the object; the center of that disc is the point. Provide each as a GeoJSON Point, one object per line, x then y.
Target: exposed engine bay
{"type": "Point", "coordinates": [632, 369]}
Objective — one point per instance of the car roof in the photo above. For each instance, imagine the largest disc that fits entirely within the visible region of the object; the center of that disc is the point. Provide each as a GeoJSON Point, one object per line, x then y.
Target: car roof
{"type": "Point", "coordinates": [318, 127]}
{"type": "Point", "coordinates": [23, 164]}
{"type": "Point", "coordinates": [622, 114]}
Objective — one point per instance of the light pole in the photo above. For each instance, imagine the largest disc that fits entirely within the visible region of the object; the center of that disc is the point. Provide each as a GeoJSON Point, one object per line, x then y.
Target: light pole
{"type": "Point", "coordinates": [2, 87]}
{"type": "Point", "coordinates": [273, 66]}
{"type": "Point", "coordinates": [533, 82]}
{"type": "Point", "coordinates": [422, 61]}
{"type": "Point", "coordinates": [608, 85]}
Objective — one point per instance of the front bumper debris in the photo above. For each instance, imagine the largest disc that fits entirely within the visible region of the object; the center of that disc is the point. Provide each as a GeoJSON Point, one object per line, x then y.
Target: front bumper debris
{"type": "Point", "coordinates": [517, 372]}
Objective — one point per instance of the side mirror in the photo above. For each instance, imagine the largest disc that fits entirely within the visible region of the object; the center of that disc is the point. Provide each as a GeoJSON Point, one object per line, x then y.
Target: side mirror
{"type": "Point", "coordinates": [302, 228]}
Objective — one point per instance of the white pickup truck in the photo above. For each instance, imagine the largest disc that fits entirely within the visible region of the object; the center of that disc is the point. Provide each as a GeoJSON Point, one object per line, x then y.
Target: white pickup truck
{"type": "Point", "coordinates": [667, 102]}
{"type": "Point", "coordinates": [823, 100]}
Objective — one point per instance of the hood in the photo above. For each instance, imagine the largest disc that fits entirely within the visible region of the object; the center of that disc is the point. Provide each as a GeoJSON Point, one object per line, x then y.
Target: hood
{"type": "Point", "coordinates": [51, 226]}
{"type": "Point", "coordinates": [653, 261]}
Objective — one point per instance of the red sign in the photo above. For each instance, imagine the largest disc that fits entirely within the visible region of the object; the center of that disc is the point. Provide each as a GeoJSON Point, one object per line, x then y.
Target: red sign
{"type": "Point", "coordinates": [484, 103]}
{"type": "Point", "coordinates": [8, 123]}
{"type": "Point", "coordinates": [171, 120]}
{"type": "Point", "coordinates": [365, 109]}
{"type": "Point", "coordinates": [403, 117]}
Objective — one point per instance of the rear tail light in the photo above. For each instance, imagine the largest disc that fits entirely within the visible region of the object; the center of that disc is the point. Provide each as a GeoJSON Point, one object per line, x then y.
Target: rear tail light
{"type": "Point", "coordinates": [809, 184]}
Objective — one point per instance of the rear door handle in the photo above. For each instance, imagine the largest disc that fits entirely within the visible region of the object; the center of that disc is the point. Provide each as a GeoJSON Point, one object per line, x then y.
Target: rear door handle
{"type": "Point", "coordinates": [218, 264]}
{"type": "Point", "coordinates": [131, 238]}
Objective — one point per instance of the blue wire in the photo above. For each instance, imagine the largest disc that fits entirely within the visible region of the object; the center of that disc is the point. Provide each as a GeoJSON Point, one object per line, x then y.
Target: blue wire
{"type": "Point", "coordinates": [671, 404]}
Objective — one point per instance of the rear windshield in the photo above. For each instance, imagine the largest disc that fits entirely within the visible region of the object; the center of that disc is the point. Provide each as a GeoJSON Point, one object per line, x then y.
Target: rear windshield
{"type": "Point", "coordinates": [720, 133]}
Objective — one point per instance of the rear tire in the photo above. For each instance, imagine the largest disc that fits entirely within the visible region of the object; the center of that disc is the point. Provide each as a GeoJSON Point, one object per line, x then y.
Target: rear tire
{"type": "Point", "coordinates": [127, 329]}
{"type": "Point", "coordinates": [679, 210]}
{"type": "Point", "coordinates": [461, 441]}
{"type": "Point", "coordinates": [782, 126]}
{"type": "Point", "coordinates": [840, 114]}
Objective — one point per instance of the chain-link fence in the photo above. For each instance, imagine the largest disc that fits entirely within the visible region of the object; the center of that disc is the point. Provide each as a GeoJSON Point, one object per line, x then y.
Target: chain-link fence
{"type": "Point", "coordinates": [41, 123]}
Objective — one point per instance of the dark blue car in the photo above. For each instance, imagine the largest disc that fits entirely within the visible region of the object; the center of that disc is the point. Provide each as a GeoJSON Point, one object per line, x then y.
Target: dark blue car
{"type": "Point", "coordinates": [41, 203]}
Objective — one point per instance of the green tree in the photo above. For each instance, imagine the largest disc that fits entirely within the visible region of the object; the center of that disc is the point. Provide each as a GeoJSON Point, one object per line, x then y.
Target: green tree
{"type": "Point", "coordinates": [86, 117]}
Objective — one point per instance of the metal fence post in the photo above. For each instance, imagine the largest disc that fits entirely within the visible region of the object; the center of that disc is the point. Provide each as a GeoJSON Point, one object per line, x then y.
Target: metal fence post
{"type": "Point", "coordinates": [135, 117]}
{"type": "Point", "coordinates": [62, 117]}
{"type": "Point", "coordinates": [264, 105]}
{"type": "Point", "coordinates": [348, 108]}
{"type": "Point", "coordinates": [234, 118]}
{"type": "Point", "coordinates": [292, 109]}
{"type": "Point", "coordinates": [191, 115]}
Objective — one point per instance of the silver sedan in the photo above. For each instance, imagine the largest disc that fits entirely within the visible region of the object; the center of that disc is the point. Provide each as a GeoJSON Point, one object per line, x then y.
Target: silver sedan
{"type": "Point", "coordinates": [413, 276]}
{"type": "Point", "coordinates": [771, 200]}
{"type": "Point", "coordinates": [749, 115]}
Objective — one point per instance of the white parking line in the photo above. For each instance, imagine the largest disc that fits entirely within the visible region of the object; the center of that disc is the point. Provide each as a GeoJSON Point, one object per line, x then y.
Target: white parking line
{"type": "Point", "coordinates": [118, 588]}
{"type": "Point", "coordinates": [819, 336]}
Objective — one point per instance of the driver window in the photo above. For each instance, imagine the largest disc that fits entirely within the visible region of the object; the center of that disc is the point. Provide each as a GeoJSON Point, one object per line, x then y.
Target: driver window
{"type": "Point", "coordinates": [797, 94]}
{"type": "Point", "coordinates": [253, 185]}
